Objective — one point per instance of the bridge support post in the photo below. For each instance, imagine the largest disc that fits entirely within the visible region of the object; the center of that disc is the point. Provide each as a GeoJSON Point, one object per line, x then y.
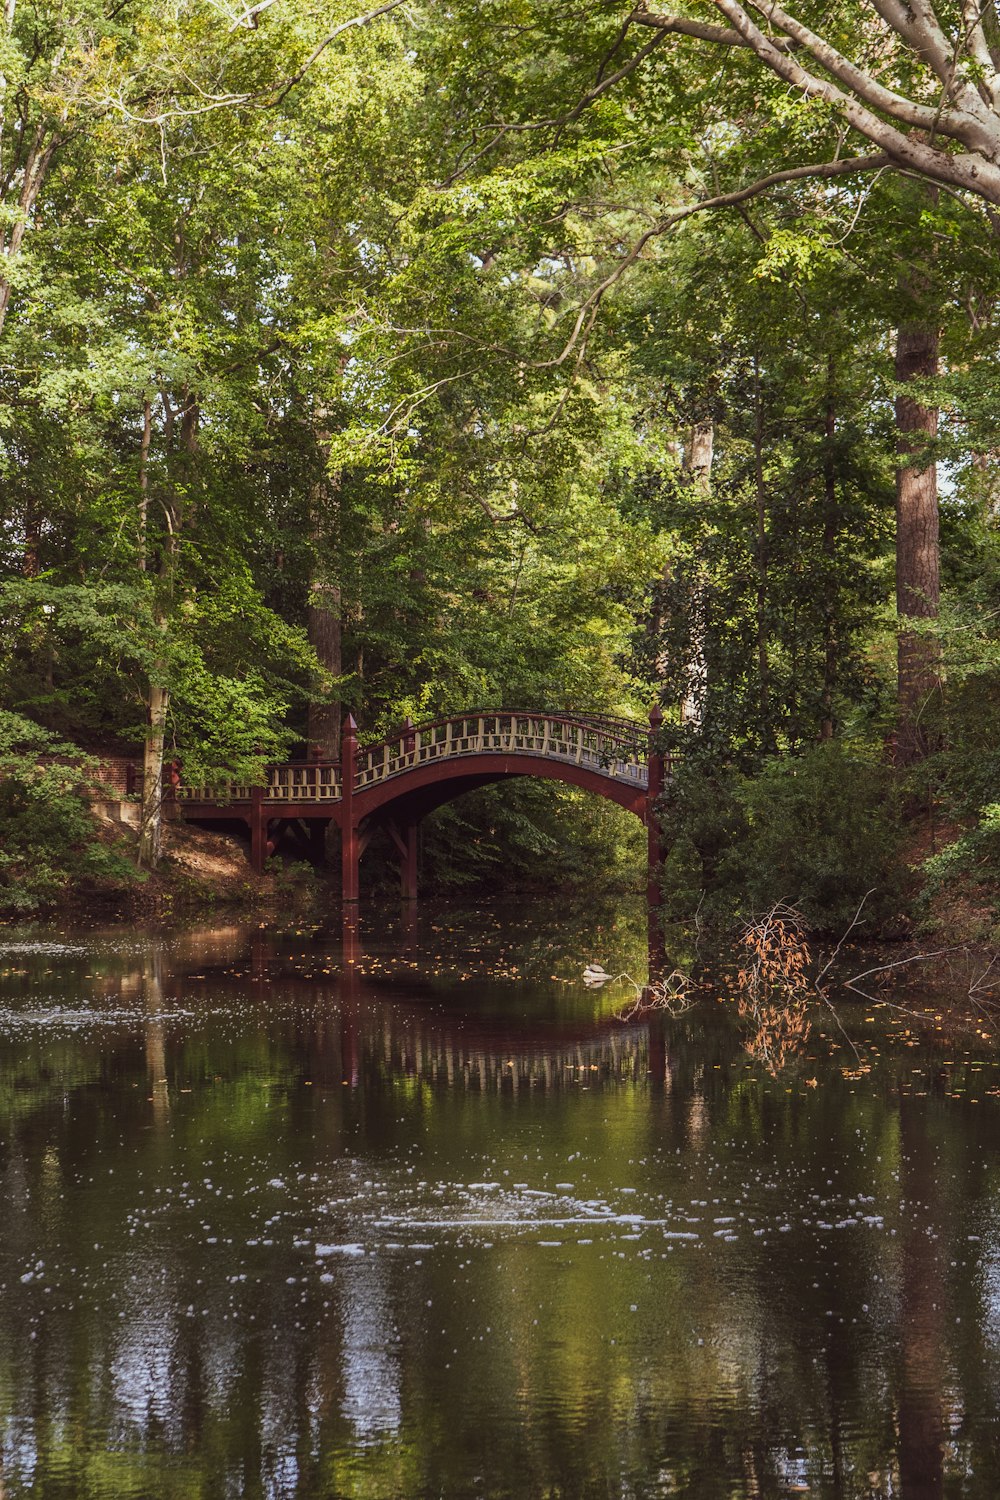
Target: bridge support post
{"type": "Point", "coordinates": [654, 846]}
{"type": "Point", "coordinates": [350, 852]}
{"type": "Point", "coordinates": [258, 830]}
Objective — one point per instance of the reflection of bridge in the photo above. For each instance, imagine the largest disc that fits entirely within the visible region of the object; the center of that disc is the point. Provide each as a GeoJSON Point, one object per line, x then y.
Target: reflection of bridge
{"type": "Point", "coordinates": [395, 783]}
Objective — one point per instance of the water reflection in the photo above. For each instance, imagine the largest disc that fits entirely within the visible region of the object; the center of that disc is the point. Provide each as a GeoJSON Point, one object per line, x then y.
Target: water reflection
{"type": "Point", "coordinates": [293, 1212]}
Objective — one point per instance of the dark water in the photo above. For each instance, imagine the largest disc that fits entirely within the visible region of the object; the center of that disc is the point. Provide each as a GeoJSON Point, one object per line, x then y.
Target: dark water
{"type": "Point", "coordinates": [428, 1219]}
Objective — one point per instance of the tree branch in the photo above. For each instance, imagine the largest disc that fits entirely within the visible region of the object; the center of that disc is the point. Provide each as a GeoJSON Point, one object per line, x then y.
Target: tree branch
{"type": "Point", "coordinates": [320, 48]}
{"type": "Point", "coordinates": [978, 129]}
{"type": "Point", "coordinates": [821, 170]}
{"type": "Point", "coordinates": [723, 35]}
{"type": "Point", "coordinates": [972, 171]}
{"type": "Point", "coordinates": [559, 124]}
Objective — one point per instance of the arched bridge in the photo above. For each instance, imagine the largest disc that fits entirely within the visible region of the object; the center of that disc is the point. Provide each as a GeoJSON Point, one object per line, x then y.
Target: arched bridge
{"type": "Point", "coordinates": [395, 783]}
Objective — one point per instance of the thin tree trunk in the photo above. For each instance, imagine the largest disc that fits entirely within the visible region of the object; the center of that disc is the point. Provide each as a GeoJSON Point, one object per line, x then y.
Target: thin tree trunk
{"type": "Point", "coordinates": [698, 462]}
{"type": "Point", "coordinates": [29, 562]}
{"type": "Point", "coordinates": [918, 568]}
{"type": "Point", "coordinates": [175, 514]}
{"type": "Point", "coordinates": [324, 617]}
{"type": "Point", "coordinates": [150, 836]}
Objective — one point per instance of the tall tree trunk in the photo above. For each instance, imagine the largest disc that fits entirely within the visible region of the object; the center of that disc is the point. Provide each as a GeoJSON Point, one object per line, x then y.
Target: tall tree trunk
{"type": "Point", "coordinates": [698, 462]}
{"type": "Point", "coordinates": [831, 522]}
{"type": "Point", "coordinates": [918, 566]}
{"type": "Point", "coordinates": [147, 435]}
{"type": "Point", "coordinates": [176, 514]}
{"type": "Point", "coordinates": [151, 831]}
{"type": "Point", "coordinates": [324, 617]}
{"type": "Point", "coordinates": [326, 636]}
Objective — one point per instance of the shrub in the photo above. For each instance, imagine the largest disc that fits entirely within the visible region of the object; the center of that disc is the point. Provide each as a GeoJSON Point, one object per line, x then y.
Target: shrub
{"type": "Point", "coordinates": [49, 838]}
{"type": "Point", "coordinates": [817, 831]}
{"type": "Point", "coordinates": [825, 831]}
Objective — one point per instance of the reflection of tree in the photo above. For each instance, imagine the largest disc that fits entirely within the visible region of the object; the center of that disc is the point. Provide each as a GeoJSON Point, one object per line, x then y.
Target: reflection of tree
{"type": "Point", "coordinates": [921, 1423]}
{"type": "Point", "coordinates": [156, 1051]}
{"type": "Point", "coordinates": [356, 1385]}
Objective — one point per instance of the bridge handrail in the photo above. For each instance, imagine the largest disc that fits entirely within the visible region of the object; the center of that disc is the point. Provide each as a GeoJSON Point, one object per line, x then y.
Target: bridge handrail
{"type": "Point", "coordinates": [291, 781]}
{"type": "Point", "coordinates": [626, 730]}
{"type": "Point", "coordinates": [628, 727]}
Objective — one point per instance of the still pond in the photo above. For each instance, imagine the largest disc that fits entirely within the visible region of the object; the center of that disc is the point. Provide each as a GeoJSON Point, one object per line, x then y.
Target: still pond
{"type": "Point", "coordinates": [429, 1217]}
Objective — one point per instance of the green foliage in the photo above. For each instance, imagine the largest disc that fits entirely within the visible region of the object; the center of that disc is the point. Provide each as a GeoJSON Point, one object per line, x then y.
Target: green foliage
{"type": "Point", "coordinates": [50, 840]}
{"type": "Point", "coordinates": [532, 836]}
{"type": "Point", "coordinates": [962, 778]}
{"type": "Point", "coordinates": [818, 831]}
{"type": "Point", "coordinates": [824, 834]}
{"type": "Point", "coordinates": [973, 859]}
{"type": "Point", "coordinates": [365, 339]}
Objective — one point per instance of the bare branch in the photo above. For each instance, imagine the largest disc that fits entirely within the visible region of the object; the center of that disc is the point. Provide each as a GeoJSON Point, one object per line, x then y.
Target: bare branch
{"type": "Point", "coordinates": [320, 48]}
{"type": "Point", "coordinates": [559, 123]}
{"type": "Point", "coordinates": [723, 35]}
{"type": "Point", "coordinates": [978, 129]}
{"type": "Point", "coordinates": [972, 171]}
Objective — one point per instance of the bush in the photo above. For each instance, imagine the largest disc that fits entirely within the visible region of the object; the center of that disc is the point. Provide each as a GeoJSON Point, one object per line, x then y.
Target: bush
{"type": "Point", "coordinates": [531, 835]}
{"type": "Point", "coordinates": [49, 839]}
{"type": "Point", "coordinates": [817, 831]}
{"type": "Point", "coordinates": [825, 830]}
{"type": "Point", "coordinates": [704, 822]}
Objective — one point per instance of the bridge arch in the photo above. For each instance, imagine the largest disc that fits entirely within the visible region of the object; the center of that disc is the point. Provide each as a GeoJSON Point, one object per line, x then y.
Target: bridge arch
{"type": "Point", "coordinates": [426, 766]}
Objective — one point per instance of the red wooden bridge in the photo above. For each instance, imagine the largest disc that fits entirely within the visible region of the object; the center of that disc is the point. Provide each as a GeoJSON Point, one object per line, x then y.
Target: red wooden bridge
{"type": "Point", "coordinates": [395, 783]}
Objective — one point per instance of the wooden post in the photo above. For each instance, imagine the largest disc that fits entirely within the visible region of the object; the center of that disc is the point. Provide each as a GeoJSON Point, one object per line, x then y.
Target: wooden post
{"type": "Point", "coordinates": [258, 830]}
{"type": "Point", "coordinates": [349, 852]}
{"type": "Point", "coordinates": [654, 846]}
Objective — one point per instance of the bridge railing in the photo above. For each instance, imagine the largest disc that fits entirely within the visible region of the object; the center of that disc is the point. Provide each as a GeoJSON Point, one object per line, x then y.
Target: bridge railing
{"type": "Point", "coordinates": [608, 747]}
{"type": "Point", "coordinates": [296, 781]}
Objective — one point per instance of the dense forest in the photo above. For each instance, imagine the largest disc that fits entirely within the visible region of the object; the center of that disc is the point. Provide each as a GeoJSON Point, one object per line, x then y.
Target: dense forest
{"type": "Point", "coordinates": [555, 354]}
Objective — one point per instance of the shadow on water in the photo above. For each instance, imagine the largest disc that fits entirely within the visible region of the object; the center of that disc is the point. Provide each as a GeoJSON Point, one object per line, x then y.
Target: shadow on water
{"type": "Point", "coordinates": [400, 1208]}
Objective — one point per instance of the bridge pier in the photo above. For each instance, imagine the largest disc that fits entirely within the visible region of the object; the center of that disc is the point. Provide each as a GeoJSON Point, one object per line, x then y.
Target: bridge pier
{"type": "Point", "coordinates": [405, 840]}
{"type": "Point", "coordinates": [258, 831]}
